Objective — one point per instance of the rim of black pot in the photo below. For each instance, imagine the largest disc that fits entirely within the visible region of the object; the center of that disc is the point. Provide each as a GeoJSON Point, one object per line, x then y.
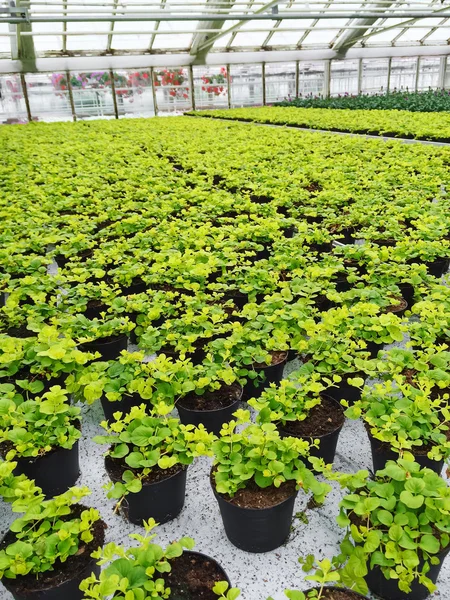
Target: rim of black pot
{"type": "Point", "coordinates": [318, 437]}
{"type": "Point", "coordinates": [285, 352]}
{"type": "Point", "coordinates": [222, 496]}
{"type": "Point", "coordinates": [337, 589]}
{"type": "Point", "coordinates": [76, 573]}
{"type": "Point", "coordinates": [212, 410]}
{"type": "Point", "coordinates": [183, 468]}
{"type": "Point", "coordinates": [99, 341]}
{"type": "Point", "coordinates": [207, 557]}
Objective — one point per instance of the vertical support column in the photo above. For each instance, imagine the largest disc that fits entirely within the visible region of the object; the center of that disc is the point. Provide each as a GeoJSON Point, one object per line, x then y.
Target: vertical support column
{"type": "Point", "coordinates": [442, 69]}
{"type": "Point", "coordinates": [70, 94]}
{"type": "Point", "coordinates": [297, 78]}
{"type": "Point", "coordinates": [389, 76]}
{"type": "Point", "coordinates": [327, 79]}
{"type": "Point", "coordinates": [229, 86]}
{"type": "Point", "coordinates": [360, 76]}
{"type": "Point", "coordinates": [264, 83]}
{"type": "Point", "coordinates": [155, 104]}
{"type": "Point", "coordinates": [113, 91]}
{"type": "Point", "coordinates": [191, 86]}
{"type": "Point", "coordinates": [25, 97]}
{"type": "Point", "coordinates": [416, 75]}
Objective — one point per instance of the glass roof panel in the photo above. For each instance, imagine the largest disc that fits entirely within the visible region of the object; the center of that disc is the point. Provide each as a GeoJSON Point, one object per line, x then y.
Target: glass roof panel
{"type": "Point", "coordinates": [175, 40]}
{"type": "Point", "coordinates": [321, 35]}
{"type": "Point", "coordinates": [139, 40]}
{"type": "Point", "coordinates": [5, 46]}
{"type": "Point", "coordinates": [43, 43]}
{"type": "Point", "coordinates": [174, 35]}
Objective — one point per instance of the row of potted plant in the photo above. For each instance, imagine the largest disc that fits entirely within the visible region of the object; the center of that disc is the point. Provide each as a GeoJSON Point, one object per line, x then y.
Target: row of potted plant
{"type": "Point", "coordinates": [392, 123]}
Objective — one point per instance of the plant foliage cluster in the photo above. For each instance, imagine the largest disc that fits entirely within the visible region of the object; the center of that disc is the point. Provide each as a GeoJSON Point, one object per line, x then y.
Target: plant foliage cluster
{"type": "Point", "coordinates": [216, 247]}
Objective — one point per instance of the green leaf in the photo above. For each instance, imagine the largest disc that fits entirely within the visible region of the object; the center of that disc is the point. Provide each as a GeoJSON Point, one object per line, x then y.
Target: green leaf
{"type": "Point", "coordinates": [430, 544]}
{"type": "Point", "coordinates": [411, 501]}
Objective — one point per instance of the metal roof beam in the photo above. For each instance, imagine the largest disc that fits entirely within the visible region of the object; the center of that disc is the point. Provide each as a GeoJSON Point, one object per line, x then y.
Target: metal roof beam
{"type": "Point", "coordinates": [348, 38]}
{"type": "Point", "coordinates": [201, 42]}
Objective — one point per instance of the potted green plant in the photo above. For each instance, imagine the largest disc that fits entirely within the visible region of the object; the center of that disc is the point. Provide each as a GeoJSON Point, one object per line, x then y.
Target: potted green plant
{"type": "Point", "coordinates": [68, 531]}
{"type": "Point", "coordinates": [401, 417]}
{"type": "Point", "coordinates": [150, 571]}
{"type": "Point", "coordinates": [255, 478]}
{"type": "Point", "coordinates": [300, 407]}
{"type": "Point", "coordinates": [397, 528]}
{"type": "Point", "coordinates": [148, 457]}
{"type": "Point", "coordinates": [42, 436]}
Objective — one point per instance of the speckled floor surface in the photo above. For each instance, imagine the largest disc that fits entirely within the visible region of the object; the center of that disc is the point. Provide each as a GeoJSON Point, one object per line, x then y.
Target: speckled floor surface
{"type": "Point", "coordinates": [258, 575]}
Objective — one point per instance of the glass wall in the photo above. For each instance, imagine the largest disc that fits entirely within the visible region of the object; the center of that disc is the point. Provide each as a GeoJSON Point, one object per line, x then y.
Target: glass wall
{"type": "Point", "coordinates": [343, 77]}
{"type": "Point", "coordinates": [375, 74]}
{"type": "Point", "coordinates": [246, 85]}
{"type": "Point", "coordinates": [429, 67]}
{"type": "Point", "coordinates": [48, 95]}
{"type": "Point", "coordinates": [90, 95]}
{"type": "Point", "coordinates": [210, 87]}
{"type": "Point", "coordinates": [134, 93]}
{"type": "Point", "coordinates": [280, 81]}
{"type": "Point", "coordinates": [403, 74]}
{"type": "Point", "coordinates": [12, 101]}
{"type": "Point", "coordinates": [311, 78]}
{"type": "Point", "coordinates": [172, 90]}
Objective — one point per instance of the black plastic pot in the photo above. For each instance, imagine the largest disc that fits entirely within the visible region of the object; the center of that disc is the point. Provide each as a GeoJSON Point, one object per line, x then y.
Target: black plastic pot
{"type": "Point", "coordinates": [344, 391]}
{"type": "Point", "coordinates": [373, 348]}
{"type": "Point", "coordinates": [407, 290]}
{"type": "Point", "coordinates": [256, 530]}
{"type": "Point", "coordinates": [351, 595]}
{"type": "Point", "coordinates": [63, 583]}
{"type": "Point", "coordinates": [162, 500]}
{"type": "Point", "coordinates": [438, 267]}
{"type": "Point", "coordinates": [387, 589]}
{"type": "Point", "coordinates": [272, 374]}
{"type": "Point", "coordinates": [381, 453]}
{"type": "Point", "coordinates": [109, 348]}
{"type": "Point", "coordinates": [67, 590]}
{"type": "Point", "coordinates": [209, 570]}
{"type": "Point", "coordinates": [213, 420]}
{"type": "Point", "coordinates": [327, 442]}
{"type": "Point", "coordinates": [54, 472]}
{"type": "Point", "coordinates": [124, 405]}
{"type": "Point", "coordinates": [137, 286]}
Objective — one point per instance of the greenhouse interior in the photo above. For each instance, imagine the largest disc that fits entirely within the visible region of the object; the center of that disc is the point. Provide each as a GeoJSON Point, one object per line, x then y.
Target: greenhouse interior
{"type": "Point", "coordinates": [224, 300]}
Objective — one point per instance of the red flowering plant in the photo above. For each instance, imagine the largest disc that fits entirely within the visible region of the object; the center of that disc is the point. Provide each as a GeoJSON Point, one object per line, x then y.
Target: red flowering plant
{"type": "Point", "coordinates": [174, 79]}
{"type": "Point", "coordinates": [214, 84]}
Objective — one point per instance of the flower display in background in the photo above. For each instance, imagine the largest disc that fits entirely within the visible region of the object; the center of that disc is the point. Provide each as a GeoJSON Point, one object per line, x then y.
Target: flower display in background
{"type": "Point", "coordinates": [215, 84]}
{"type": "Point", "coordinates": [173, 78]}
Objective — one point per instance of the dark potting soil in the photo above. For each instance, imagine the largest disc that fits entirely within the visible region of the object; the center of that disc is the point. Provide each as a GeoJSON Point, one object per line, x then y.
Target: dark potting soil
{"type": "Point", "coordinates": [117, 466]}
{"type": "Point", "coordinates": [417, 450]}
{"type": "Point", "coordinates": [252, 496]}
{"type": "Point", "coordinates": [322, 419]}
{"type": "Point", "coordinates": [212, 400]}
{"type": "Point", "coordinates": [62, 572]}
{"type": "Point", "coordinates": [277, 358]}
{"type": "Point", "coordinates": [192, 577]}
{"type": "Point", "coordinates": [340, 595]}
{"type": "Point", "coordinates": [402, 304]}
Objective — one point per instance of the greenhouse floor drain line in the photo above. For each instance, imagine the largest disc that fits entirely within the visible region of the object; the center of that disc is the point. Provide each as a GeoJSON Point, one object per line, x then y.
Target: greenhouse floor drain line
{"type": "Point", "coordinates": [343, 133]}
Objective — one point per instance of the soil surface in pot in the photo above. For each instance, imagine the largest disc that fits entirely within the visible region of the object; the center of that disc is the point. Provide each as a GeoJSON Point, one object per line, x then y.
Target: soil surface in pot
{"type": "Point", "coordinates": [116, 468]}
{"type": "Point", "coordinates": [212, 400]}
{"type": "Point", "coordinates": [417, 450]}
{"type": "Point", "coordinates": [192, 577]}
{"type": "Point", "coordinates": [340, 595]}
{"type": "Point", "coordinates": [277, 358]}
{"type": "Point", "coordinates": [322, 419]}
{"type": "Point", "coordinates": [62, 571]}
{"type": "Point", "coordinates": [252, 496]}
{"type": "Point", "coordinates": [401, 304]}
